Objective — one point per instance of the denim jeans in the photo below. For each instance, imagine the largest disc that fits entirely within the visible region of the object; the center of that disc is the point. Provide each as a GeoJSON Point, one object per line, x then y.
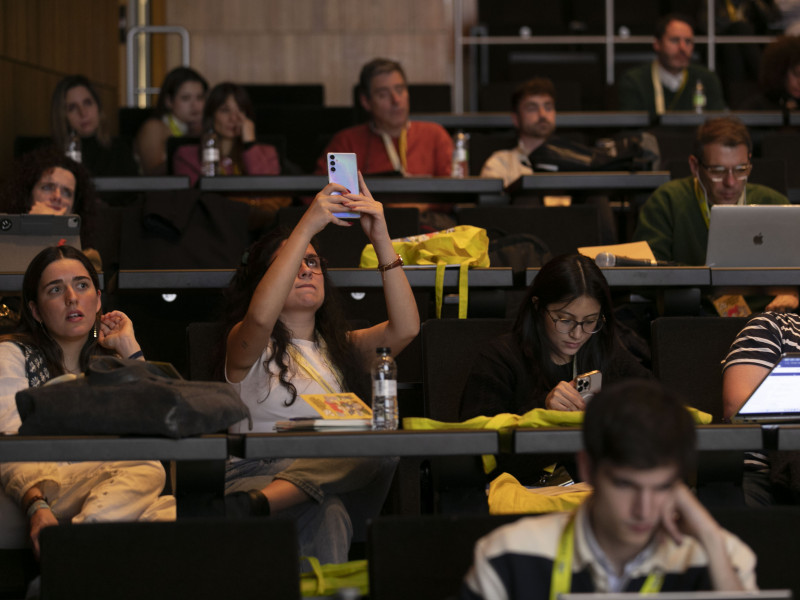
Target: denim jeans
{"type": "Point", "coordinates": [345, 492]}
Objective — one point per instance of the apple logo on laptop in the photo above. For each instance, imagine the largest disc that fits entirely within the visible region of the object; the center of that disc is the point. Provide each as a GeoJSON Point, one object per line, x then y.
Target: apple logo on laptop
{"type": "Point", "coordinates": [758, 239]}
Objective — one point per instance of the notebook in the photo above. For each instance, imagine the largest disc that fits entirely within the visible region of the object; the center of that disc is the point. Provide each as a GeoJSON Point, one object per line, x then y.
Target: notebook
{"type": "Point", "coordinates": [760, 595]}
{"type": "Point", "coordinates": [777, 398]}
{"type": "Point", "coordinates": [23, 236]}
{"type": "Point", "coordinates": [754, 236]}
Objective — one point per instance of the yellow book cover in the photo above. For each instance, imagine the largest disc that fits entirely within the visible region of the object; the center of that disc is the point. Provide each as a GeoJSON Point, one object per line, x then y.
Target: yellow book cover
{"type": "Point", "coordinates": [338, 406]}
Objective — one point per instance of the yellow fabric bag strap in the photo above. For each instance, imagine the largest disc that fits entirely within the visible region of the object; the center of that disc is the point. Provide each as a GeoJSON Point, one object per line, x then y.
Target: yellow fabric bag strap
{"type": "Point", "coordinates": [561, 578]}
{"type": "Point", "coordinates": [309, 369]}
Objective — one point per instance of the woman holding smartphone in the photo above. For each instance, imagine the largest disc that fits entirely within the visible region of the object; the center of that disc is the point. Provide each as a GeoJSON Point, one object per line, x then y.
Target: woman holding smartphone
{"type": "Point", "coordinates": [565, 327]}
{"type": "Point", "coordinates": [60, 329]}
{"type": "Point", "coordinates": [285, 335]}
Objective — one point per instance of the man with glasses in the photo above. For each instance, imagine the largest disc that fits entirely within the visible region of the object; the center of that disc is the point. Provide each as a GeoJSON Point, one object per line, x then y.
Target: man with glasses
{"type": "Point", "coordinates": [674, 220]}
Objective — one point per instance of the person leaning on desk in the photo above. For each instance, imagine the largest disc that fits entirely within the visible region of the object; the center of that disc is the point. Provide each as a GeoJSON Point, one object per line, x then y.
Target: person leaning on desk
{"type": "Point", "coordinates": [565, 327]}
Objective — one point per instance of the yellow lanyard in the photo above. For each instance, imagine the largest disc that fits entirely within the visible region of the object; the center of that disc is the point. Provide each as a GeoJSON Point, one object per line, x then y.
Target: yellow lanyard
{"type": "Point", "coordinates": [306, 366]}
{"type": "Point", "coordinates": [658, 88]}
{"type": "Point", "coordinates": [561, 578]}
{"type": "Point", "coordinates": [399, 163]}
{"type": "Point", "coordinates": [175, 127]}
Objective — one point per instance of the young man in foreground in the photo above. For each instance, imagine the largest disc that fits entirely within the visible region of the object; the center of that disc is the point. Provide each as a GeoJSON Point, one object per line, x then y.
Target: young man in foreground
{"type": "Point", "coordinates": [642, 529]}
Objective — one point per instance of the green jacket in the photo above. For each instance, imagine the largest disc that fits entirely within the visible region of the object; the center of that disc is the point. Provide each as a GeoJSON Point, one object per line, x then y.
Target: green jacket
{"type": "Point", "coordinates": [636, 90]}
{"type": "Point", "coordinates": [672, 223]}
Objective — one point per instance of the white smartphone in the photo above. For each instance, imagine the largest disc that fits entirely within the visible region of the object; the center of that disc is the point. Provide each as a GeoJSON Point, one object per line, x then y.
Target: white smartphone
{"type": "Point", "coordinates": [589, 384]}
{"type": "Point", "coordinates": [343, 169]}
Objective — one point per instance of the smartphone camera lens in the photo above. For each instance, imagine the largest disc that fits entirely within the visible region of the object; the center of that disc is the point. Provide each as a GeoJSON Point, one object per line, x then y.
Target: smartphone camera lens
{"type": "Point", "coordinates": [333, 169]}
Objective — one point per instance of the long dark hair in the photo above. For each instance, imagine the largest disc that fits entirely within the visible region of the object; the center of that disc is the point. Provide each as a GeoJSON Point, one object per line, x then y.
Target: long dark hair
{"type": "Point", "coordinates": [17, 198]}
{"type": "Point", "coordinates": [173, 82]}
{"type": "Point", "coordinates": [216, 98]}
{"type": "Point", "coordinates": [330, 327]}
{"type": "Point", "coordinates": [562, 280]}
{"type": "Point", "coordinates": [58, 111]}
{"type": "Point", "coordinates": [31, 332]}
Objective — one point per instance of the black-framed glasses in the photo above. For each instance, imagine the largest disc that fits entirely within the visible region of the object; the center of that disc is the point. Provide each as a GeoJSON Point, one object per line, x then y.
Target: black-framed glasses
{"type": "Point", "coordinates": [717, 173]}
{"type": "Point", "coordinates": [589, 326]}
{"type": "Point", "coordinates": [316, 264]}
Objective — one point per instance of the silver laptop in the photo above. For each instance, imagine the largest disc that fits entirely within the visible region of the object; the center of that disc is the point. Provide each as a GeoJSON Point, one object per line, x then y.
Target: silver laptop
{"type": "Point", "coordinates": [754, 236]}
{"type": "Point", "coordinates": [23, 236]}
{"type": "Point", "coordinates": [760, 595]}
{"type": "Point", "coordinates": [777, 398]}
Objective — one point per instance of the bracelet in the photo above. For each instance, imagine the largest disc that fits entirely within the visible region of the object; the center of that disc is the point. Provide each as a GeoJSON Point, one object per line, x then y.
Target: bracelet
{"type": "Point", "coordinates": [36, 504]}
{"type": "Point", "coordinates": [136, 355]}
{"type": "Point", "coordinates": [398, 262]}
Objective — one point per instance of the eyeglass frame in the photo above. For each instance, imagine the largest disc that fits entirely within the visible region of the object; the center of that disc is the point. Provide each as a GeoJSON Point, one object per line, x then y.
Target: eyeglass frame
{"type": "Point", "coordinates": [728, 170]}
{"type": "Point", "coordinates": [323, 263]}
{"type": "Point", "coordinates": [599, 323]}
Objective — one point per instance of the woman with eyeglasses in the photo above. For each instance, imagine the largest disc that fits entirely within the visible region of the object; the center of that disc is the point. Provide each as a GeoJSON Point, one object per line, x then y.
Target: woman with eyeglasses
{"type": "Point", "coordinates": [286, 335]}
{"type": "Point", "coordinates": [565, 327]}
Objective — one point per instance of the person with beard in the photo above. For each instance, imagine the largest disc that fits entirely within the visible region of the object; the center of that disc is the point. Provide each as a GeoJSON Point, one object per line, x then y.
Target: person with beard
{"type": "Point", "coordinates": [533, 106]}
{"type": "Point", "coordinates": [668, 83]}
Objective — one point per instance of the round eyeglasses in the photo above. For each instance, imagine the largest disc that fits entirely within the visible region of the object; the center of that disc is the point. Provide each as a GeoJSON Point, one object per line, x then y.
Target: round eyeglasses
{"type": "Point", "coordinates": [717, 173]}
{"type": "Point", "coordinates": [589, 326]}
{"type": "Point", "coordinates": [316, 264]}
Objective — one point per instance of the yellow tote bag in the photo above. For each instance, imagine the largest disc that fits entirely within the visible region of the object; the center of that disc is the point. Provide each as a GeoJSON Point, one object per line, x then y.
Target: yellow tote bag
{"type": "Point", "coordinates": [464, 245]}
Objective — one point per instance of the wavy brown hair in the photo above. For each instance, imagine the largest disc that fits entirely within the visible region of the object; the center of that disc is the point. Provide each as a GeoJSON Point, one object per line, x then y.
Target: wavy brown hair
{"type": "Point", "coordinates": [331, 326]}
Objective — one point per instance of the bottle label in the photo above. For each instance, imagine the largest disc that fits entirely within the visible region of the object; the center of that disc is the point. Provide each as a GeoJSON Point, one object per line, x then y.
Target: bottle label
{"type": "Point", "coordinates": [74, 155]}
{"type": "Point", "coordinates": [384, 387]}
{"type": "Point", "coordinates": [210, 155]}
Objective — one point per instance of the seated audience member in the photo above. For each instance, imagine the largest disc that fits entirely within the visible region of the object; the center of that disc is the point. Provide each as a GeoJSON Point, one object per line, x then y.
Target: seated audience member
{"type": "Point", "coordinates": [179, 113]}
{"type": "Point", "coordinates": [229, 112]}
{"type": "Point", "coordinates": [756, 349]}
{"type": "Point", "coordinates": [45, 182]}
{"type": "Point", "coordinates": [779, 77]}
{"type": "Point", "coordinates": [286, 336]}
{"type": "Point", "coordinates": [668, 83]}
{"type": "Point", "coordinates": [533, 106]}
{"type": "Point", "coordinates": [389, 141]}
{"type": "Point", "coordinates": [76, 106]}
{"type": "Point", "coordinates": [674, 220]}
{"type": "Point", "coordinates": [61, 327]}
{"type": "Point", "coordinates": [565, 327]}
{"type": "Point", "coordinates": [641, 529]}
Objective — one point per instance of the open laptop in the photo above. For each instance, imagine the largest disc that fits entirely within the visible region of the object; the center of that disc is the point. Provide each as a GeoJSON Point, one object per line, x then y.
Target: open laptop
{"type": "Point", "coordinates": [777, 398]}
{"type": "Point", "coordinates": [754, 236]}
{"type": "Point", "coordinates": [23, 236]}
{"type": "Point", "coordinates": [760, 595]}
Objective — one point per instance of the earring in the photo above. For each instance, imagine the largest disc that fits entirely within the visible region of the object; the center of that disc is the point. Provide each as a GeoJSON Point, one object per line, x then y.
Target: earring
{"type": "Point", "coordinates": [94, 332]}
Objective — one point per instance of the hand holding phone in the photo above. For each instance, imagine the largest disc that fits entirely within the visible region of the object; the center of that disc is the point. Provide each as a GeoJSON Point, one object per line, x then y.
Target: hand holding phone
{"type": "Point", "coordinates": [343, 169]}
{"type": "Point", "coordinates": [589, 384]}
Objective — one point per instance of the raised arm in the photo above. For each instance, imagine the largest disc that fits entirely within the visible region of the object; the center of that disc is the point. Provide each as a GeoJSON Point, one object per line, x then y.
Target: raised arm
{"type": "Point", "coordinates": [248, 338]}
{"type": "Point", "coordinates": [403, 323]}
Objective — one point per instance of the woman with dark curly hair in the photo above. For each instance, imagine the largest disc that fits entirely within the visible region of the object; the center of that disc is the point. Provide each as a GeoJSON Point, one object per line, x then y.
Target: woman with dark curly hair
{"type": "Point", "coordinates": [779, 77]}
{"type": "Point", "coordinates": [285, 337]}
{"type": "Point", "coordinates": [76, 107]}
{"type": "Point", "coordinates": [46, 182]}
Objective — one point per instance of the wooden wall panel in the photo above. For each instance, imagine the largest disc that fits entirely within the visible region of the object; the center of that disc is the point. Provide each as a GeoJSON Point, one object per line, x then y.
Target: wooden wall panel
{"type": "Point", "coordinates": [41, 41]}
{"type": "Point", "coordinates": [311, 41]}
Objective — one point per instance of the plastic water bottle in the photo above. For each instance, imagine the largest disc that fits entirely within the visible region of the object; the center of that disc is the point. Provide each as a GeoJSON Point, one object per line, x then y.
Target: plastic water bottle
{"type": "Point", "coordinates": [460, 167]}
{"type": "Point", "coordinates": [210, 150]}
{"type": "Point", "coordinates": [699, 97]}
{"type": "Point", "coordinates": [384, 390]}
{"type": "Point", "coordinates": [73, 148]}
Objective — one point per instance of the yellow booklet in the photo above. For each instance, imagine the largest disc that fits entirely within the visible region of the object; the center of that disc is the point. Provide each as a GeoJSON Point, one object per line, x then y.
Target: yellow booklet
{"type": "Point", "coordinates": [337, 411]}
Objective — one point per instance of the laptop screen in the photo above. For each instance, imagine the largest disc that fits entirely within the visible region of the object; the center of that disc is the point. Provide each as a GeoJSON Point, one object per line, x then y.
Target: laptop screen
{"type": "Point", "coordinates": [714, 595]}
{"type": "Point", "coordinates": [778, 395]}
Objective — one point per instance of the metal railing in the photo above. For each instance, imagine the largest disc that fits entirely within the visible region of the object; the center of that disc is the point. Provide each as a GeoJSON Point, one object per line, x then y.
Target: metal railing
{"type": "Point", "coordinates": [134, 89]}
